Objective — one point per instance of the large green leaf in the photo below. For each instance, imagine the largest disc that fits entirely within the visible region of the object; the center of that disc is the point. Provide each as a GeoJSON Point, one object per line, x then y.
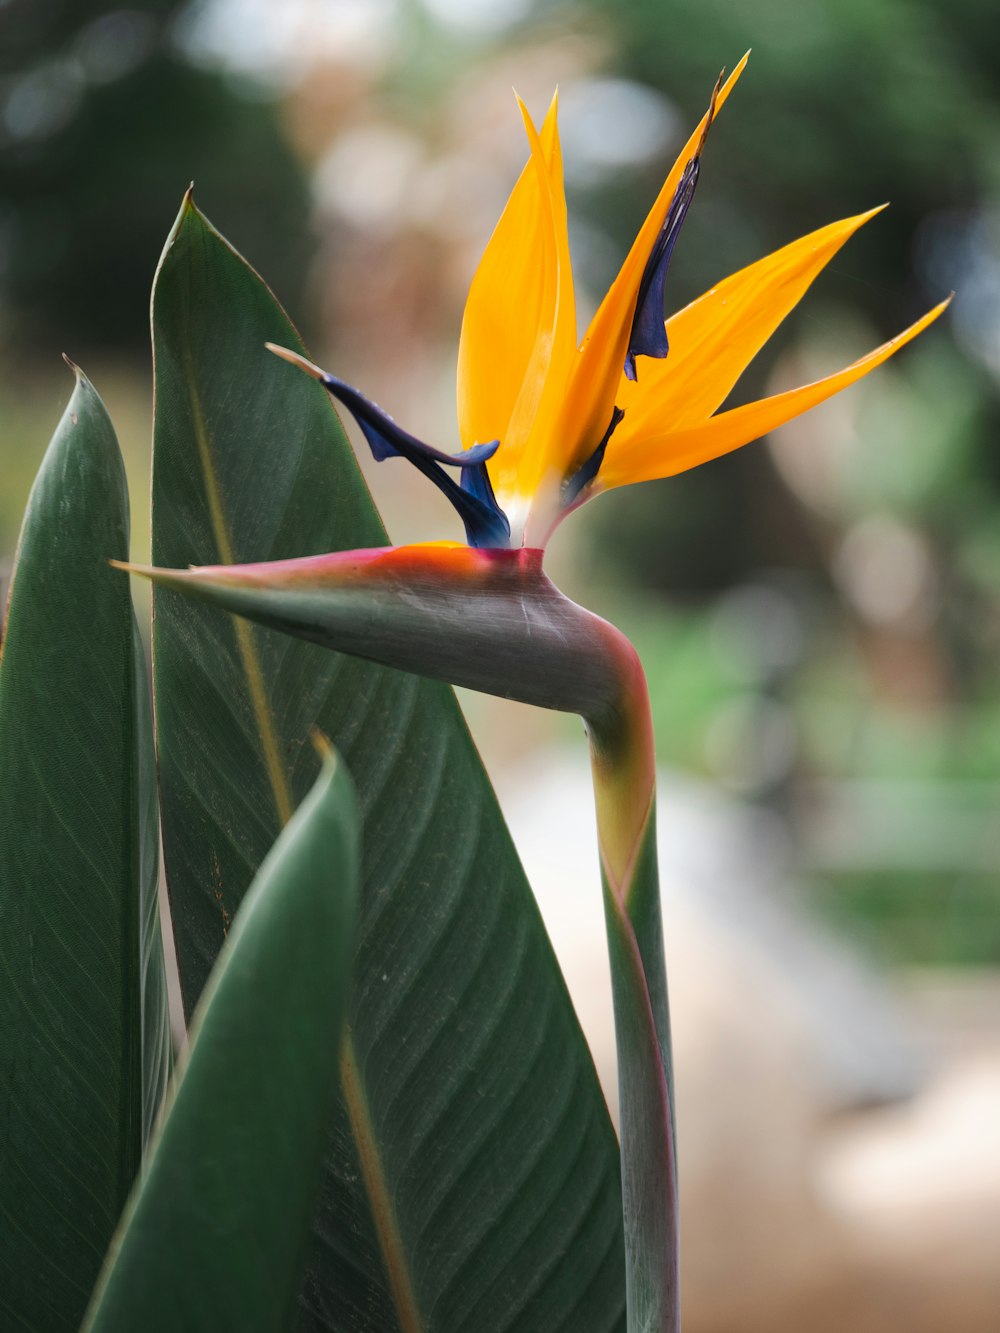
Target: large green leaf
{"type": "Point", "coordinates": [473, 1180]}
{"type": "Point", "coordinates": [83, 1033]}
{"type": "Point", "coordinates": [216, 1235]}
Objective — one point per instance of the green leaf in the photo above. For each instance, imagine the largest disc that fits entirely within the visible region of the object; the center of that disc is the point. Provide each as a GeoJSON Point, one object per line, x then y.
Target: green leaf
{"type": "Point", "coordinates": [216, 1235]}
{"type": "Point", "coordinates": [83, 1027]}
{"type": "Point", "coordinates": [473, 1180]}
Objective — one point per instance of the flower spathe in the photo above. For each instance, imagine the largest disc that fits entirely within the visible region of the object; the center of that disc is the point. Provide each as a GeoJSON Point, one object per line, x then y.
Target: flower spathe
{"type": "Point", "coordinates": [547, 422]}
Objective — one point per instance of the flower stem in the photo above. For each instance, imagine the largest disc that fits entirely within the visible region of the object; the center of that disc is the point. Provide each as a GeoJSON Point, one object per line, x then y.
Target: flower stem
{"type": "Point", "coordinates": [623, 763]}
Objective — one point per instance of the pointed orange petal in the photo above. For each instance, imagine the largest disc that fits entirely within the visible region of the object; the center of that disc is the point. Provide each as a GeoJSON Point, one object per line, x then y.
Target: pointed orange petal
{"type": "Point", "coordinates": [510, 293]}
{"type": "Point", "coordinates": [602, 354]}
{"type": "Point", "coordinates": [715, 338]}
{"type": "Point", "coordinates": [506, 304]}
{"type": "Point", "coordinates": [522, 459]}
{"type": "Point", "coordinates": [658, 453]}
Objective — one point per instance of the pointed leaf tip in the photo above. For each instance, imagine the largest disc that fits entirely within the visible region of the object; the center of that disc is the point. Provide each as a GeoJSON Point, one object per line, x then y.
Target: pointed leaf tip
{"type": "Point", "coordinates": [323, 746]}
{"type": "Point", "coordinates": [82, 382]}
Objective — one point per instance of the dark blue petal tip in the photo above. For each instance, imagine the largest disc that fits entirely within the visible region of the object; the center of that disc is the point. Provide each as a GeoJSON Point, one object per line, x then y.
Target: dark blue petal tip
{"type": "Point", "coordinates": [587, 471]}
{"type": "Point", "coordinates": [492, 527]}
{"type": "Point", "coordinates": [485, 522]}
{"type": "Point", "coordinates": [649, 334]}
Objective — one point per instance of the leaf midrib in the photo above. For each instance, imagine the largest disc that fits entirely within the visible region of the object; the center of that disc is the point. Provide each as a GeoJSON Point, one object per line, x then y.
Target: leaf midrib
{"type": "Point", "coordinates": [362, 1129]}
{"type": "Point", "coordinates": [277, 776]}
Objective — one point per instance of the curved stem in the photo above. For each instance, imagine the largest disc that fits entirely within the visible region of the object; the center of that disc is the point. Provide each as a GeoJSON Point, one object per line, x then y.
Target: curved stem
{"type": "Point", "coordinates": [623, 764]}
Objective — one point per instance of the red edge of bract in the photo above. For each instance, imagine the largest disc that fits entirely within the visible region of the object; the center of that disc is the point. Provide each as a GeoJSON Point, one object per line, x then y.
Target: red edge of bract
{"type": "Point", "coordinates": [444, 562]}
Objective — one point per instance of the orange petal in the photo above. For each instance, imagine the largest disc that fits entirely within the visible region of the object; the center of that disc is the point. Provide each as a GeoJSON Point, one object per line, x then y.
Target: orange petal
{"type": "Point", "coordinates": [510, 299]}
{"type": "Point", "coordinates": [659, 453]}
{"type": "Point", "coordinates": [602, 353]}
{"type": "Point", "coordinates": [522, 459]}
{"type": "Point", "coordinates": [715, 338]}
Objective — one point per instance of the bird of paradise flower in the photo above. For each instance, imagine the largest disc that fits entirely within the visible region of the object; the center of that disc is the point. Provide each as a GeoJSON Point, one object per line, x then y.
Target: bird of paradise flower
{"type": "Point", "coordinates": [548, 423]}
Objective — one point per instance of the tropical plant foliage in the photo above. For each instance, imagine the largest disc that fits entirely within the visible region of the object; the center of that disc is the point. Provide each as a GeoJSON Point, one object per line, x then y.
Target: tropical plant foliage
{"type": "Point", "coordinates": [386, 1112]}
{"type": "Point", "coordinates": [384, 1118]}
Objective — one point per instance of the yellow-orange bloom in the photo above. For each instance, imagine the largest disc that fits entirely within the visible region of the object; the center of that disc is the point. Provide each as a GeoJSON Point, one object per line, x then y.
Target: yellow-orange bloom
{"type": "Point", "coordinates": [546, 422]}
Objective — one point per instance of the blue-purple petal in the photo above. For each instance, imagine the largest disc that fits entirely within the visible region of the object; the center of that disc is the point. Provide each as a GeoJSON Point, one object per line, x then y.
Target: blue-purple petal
{"type": "Point", "coordinates": [387, 440]}
{"type": "Point", "coordinates": [587, 471]}
{"type": "Point", "coordinates": [485, 523]}
{"type": "Point", "coordinates": [649, 334]}
{"type": "Point", "coordinates": [495, 530]}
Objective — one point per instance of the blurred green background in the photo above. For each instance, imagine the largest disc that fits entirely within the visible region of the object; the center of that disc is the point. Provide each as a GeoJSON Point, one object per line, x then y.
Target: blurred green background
{"type": "Point", "coordinates": [819, 615]}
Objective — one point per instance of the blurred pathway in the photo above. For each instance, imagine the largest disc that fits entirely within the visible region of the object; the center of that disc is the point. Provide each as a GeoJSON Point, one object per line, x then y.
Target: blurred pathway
{"type": "Point", "coordinates": [839, 1129]}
